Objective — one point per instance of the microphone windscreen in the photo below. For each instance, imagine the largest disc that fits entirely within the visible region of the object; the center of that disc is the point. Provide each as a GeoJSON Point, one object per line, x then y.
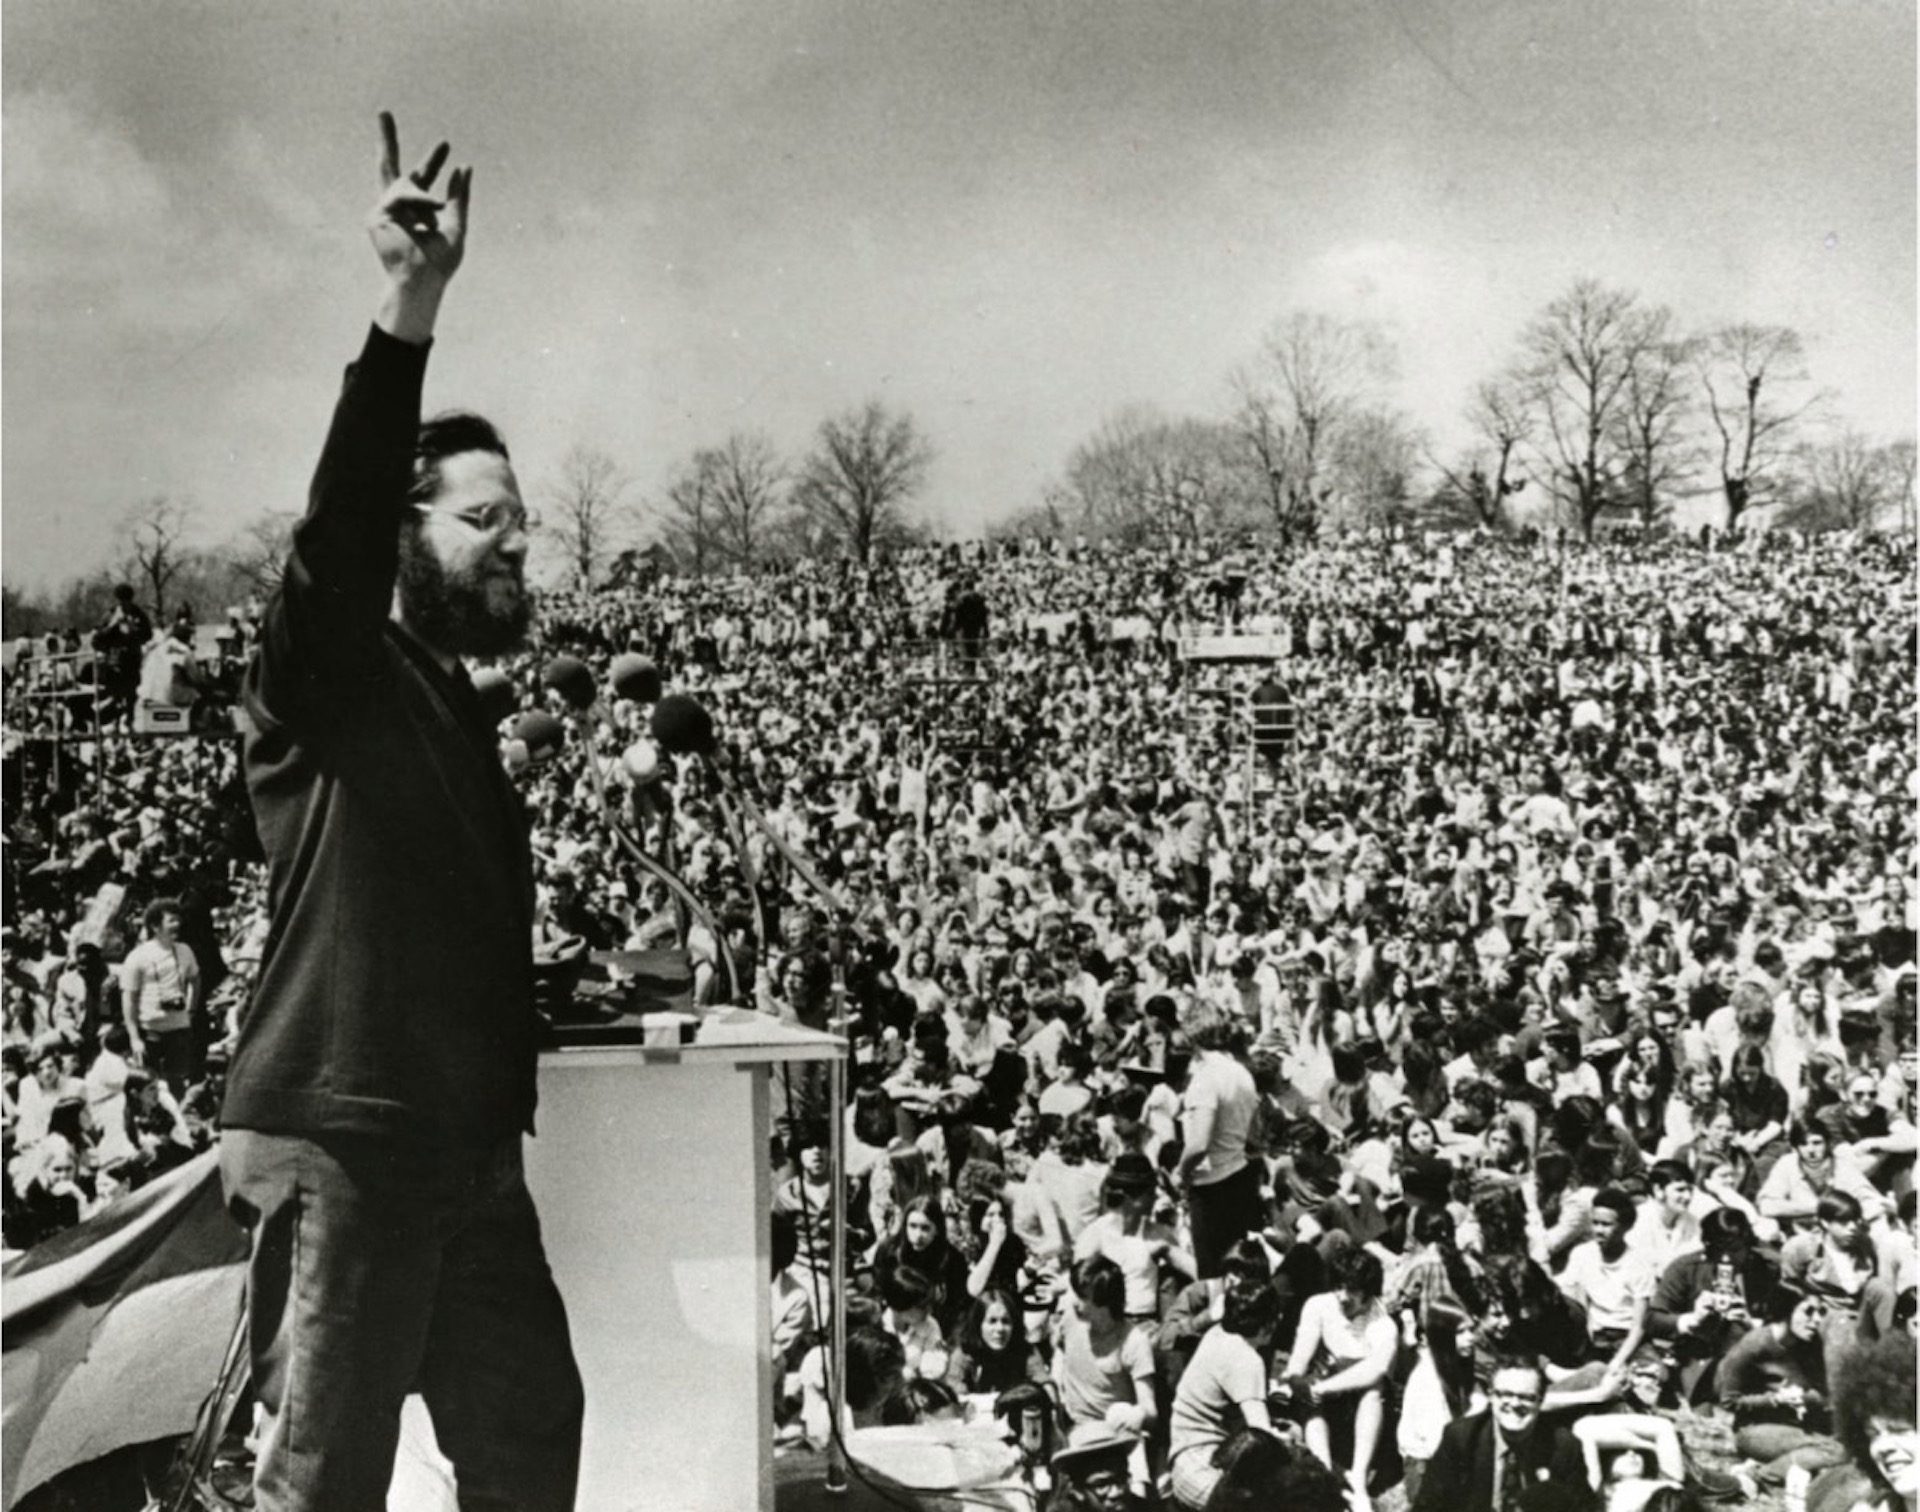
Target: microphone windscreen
{"type": "Point", "coordinates": [682, 726]}
{"type": "Point", "coordinates": [541, 733]}
{"type": "Point", "coordinates": [635, 678]}
{"type": "Point", "coordinates": [495, 691]}
{"type": "Point", "coordinates": [568, 676]}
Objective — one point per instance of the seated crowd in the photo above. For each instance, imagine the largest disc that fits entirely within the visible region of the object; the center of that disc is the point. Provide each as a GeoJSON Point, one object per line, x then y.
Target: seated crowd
{"type": "Point", "coordinates": [1517, 1068]}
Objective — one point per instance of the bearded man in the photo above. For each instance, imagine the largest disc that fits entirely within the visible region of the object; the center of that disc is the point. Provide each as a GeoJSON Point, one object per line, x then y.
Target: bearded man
{"type": "Point", "coordinates": [384, 1074]}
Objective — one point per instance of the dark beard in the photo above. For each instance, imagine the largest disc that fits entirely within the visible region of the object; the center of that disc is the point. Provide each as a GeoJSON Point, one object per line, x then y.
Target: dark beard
{"type": "Point", "coordinates": [456, 614]}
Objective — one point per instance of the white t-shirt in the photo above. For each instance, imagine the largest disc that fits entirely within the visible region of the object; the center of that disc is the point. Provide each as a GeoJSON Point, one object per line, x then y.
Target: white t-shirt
{"type": "Point", "coordinates": [1137, 1255]}
{"type": "Point", "coordinates": [1225, 1372]}
{"type": "Point", "coordinates": [1220, 1085]}
{"type": "Point", "coordinates": [1613, 1291]}
{"type": "Point", "coordinates": [165, 977]}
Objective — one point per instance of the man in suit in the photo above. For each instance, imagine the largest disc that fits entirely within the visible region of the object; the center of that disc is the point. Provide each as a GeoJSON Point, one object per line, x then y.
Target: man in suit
{"type": "Point", "coordinates": [1486, 1462]}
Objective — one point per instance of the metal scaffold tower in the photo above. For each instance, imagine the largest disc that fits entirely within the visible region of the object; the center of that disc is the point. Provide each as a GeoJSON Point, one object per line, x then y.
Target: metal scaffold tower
{"type": "Point", "coordinates": [1234, 695]}
{"type": "Point", "coordinates": [951, 685]}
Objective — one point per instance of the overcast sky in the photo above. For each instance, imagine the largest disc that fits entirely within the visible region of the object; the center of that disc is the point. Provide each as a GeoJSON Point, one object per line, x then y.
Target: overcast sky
{"type": "Point", "coordinates": [1010, 218]}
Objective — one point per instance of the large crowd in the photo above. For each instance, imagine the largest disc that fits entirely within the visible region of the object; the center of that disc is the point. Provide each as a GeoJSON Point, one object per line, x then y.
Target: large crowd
{"type": "Point", "coordinates": [1529, 1038]}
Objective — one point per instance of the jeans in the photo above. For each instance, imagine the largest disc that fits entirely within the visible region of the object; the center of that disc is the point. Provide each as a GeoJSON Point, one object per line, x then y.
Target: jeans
{"type": "Point", "coordinates": [379, 1270]}
{"type": "Point", "coordinates": [1780, 1446]}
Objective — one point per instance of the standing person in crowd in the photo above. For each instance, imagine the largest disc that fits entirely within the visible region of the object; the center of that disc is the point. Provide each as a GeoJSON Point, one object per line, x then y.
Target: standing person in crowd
{"type": "Point", "coordinates": [1217, 1113]}
{"type": "Point", "coordinates": [384, 1077]}
{"type": "Point", "coordinates": [159, 992]}
{"type": "Point", "coordinates": [121, 639]}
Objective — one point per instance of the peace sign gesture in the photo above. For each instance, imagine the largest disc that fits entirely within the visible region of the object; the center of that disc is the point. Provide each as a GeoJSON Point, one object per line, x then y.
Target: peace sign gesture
{"type": "Point", "coordinates": [419, 237]}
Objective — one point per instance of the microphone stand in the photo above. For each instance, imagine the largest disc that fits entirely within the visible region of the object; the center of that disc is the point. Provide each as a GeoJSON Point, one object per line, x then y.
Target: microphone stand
{"type": "Point", "coordinates": [736, 837]}
{"type": "Point", "coordinates": [837, 1472]}
{"type": "Point", "coordinates": [680, 891]}
{"type": "Point", "coordinates": [838, 913]}
{"type": "Point", "coordinates": [837, 1242]}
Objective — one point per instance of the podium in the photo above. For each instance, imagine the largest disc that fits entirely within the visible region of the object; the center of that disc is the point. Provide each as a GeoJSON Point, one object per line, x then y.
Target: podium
{"type": "Point", "coordinates": [651, 1172]}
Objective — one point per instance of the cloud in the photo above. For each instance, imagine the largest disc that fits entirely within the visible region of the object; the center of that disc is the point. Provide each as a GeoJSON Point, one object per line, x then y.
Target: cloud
{"type": "Point", "coordinates": [63, 169]}
{"type": "Point", "coordinates": [94, 228]}
{"type": "Point", "coordinates": [1449, 320]}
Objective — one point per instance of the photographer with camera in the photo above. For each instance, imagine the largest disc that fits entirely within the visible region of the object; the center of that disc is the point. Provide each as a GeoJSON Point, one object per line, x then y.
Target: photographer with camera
{"type": "Point", "coordinates": [1708, 1300]}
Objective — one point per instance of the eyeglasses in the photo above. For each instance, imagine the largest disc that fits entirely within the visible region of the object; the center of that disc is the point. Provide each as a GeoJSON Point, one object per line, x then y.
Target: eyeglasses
{"type": "Point", "coordinates": [496, 518]}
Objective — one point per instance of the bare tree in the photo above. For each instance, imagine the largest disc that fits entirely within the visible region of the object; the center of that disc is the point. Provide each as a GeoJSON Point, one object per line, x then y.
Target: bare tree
{"type": "Point", "coordinates": [257, 554]}
{"type": "Point", "coordinates": [855, 484]}
{"type": "Point", "coordinates": [1900, 460]}
{"type": "Point", "coordinates": [1487, 474]}
{"type": "Point", "coordinates": [1844, 482]}
{"type": "Point", "coordinates": [155, 544]}
{"type": "Point", "coordinates": [692, 520]}
{"type": "Point", "coordinates": [1051, 518]}
{"type": "Point", "coordinates": [747, 480]}
{"type": "Point", "coordinates": [1313, 374]}
{"type": "Point", "coordinates": [1754, 380]}
{"type": "Point", "coordinates": [1651, 426]}
{"type": "Point", "coordinates": [1580, 355]}
{"type": "Point", "coordinates": [1372, 464]}
{"type": "Point", "coordinates": [1144, 476]}
{"type": "Point", "coordinates": [588, 513]}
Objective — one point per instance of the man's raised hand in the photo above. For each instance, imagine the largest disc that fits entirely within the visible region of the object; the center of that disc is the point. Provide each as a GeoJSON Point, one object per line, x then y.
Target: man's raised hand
{"type": "Point", "coordinates": [419, 236]}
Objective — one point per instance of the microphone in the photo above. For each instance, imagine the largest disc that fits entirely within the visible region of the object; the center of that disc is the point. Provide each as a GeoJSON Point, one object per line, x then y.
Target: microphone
{"type": "Point", "coordinates": [541, 733]}
{"type": "Point", "coordinates": [635, 679]}
{"type": "Point", "coordinates": [568, 676]}
{"type": "Point", "coordinates": [682, 726]}
{"type": "Point", "coordinates": [494, 690]}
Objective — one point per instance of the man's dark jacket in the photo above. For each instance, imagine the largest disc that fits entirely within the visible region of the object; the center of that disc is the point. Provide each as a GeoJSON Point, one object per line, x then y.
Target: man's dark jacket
{"type": "Point", "coordinates": [1459, 1477]}
{"type": "Point", "coordinates": [395, 992]}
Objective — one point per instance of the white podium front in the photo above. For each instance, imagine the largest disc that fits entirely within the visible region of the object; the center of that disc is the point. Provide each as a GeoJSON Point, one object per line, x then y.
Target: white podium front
{"type": "Point", "coordinates": [651, 1174]}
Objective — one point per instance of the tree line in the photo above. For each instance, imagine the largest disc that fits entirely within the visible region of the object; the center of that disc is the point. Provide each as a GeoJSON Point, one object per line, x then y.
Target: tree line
{"type": "Point", "coordinates": [1606, 408]}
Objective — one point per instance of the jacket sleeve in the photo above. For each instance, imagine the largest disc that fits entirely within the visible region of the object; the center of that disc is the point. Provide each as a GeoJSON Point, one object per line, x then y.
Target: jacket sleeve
{"type": "Point", "coordinates": [1570, 1468]}
{"type": "Point", "coordinates": [324, 626]}
{"type": "Point", "coordinates": [1783, 1192]}
{"type": "Point", "coordinates": [1742, 1380]}
{"type": "Point", "coordinates": [1443, 1488]}
{"type": "Point", "coordinates": [1673, 1297]}
{"type": "Point", "coordinates": [1187, 1318]}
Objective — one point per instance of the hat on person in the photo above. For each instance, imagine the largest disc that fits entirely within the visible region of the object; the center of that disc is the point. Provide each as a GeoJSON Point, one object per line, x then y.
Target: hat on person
{"type": "Point", "coordinates": [1132, 1172]}
{"type": "Point", "coordinates": [1108, 1451]}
